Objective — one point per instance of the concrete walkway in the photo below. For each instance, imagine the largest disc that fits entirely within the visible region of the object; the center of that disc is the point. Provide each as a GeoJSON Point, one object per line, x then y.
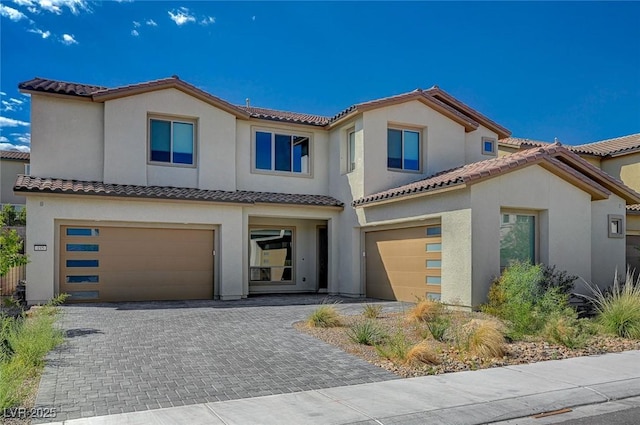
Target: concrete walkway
{"type": "Point", "coordinates": [476, 397]}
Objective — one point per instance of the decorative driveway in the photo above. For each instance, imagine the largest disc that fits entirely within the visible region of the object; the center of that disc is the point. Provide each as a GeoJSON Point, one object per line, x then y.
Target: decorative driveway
{"type": "Point", "coordinates": [137, 356]}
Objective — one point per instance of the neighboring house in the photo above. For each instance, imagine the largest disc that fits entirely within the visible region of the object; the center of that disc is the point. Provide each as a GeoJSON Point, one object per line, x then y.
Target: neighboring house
{"type": "Point", "coordinates": [12, 163]}
{"type": "Point", "coordinates": [618, 157]}
{"type": "Point", "coordinates": [160, 190]}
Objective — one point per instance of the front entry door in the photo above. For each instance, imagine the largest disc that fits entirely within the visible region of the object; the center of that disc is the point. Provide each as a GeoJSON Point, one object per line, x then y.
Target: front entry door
{"type": "Point", "coordinates": [323, 259]}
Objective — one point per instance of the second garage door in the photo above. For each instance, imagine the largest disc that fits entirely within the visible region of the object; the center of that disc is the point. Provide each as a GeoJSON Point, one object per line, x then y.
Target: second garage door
{"type": "Point", "coordinates": [136, 264]}
{"type": "Point", "coordinates": [404, 264]}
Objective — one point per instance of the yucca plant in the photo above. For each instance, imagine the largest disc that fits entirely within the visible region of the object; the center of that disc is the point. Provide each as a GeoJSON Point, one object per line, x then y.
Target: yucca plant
{"type": "Point", "coordinates": [367, 333]}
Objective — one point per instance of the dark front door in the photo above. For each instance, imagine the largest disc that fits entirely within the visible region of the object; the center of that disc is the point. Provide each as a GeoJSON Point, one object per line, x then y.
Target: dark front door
{"type": "Point", "coordinates": [323, 259]}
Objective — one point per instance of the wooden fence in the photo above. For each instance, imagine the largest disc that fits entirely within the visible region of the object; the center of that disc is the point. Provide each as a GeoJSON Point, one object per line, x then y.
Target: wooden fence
{"type": "Point", "coordinates": [9, 282]}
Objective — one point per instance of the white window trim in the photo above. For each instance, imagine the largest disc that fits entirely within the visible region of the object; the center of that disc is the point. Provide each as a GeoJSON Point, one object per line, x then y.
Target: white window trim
{"type": "Point", "coordinates": [420, 147]}
{"type": "Point", "coordinates": [288, 132]}
{"type": "Point", "coordinates": [493, 143]}
{"type": "Point", "coordinates": [172, 119]}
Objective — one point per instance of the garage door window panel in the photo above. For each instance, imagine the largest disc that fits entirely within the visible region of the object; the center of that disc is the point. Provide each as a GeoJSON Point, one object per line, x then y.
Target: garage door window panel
{"type": "Point", "coordinates": [271, 255]}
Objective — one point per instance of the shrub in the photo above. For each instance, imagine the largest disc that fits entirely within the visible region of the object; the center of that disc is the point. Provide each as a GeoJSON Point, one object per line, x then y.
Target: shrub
{"type": "Point", "coordinates": [438, 327]}
{"type": "Point", "coordinates": [619, 310]}
{"type": "Point", "coordinates": [396, 348]}
{"type": "Point", "coordinates": [424, 352]}
{"type": "Point", "coordinates": [426, 310]}
{"type": "Point", "coordinates": [567, 329]}
{"type": "Point", "coordinates": [484, 338]}
{"type": "Point", "coordinates": [372, 311]}
{"type": "Point", "coordinates": [367, 333]}
{"type": "Point", "coordinates": [325, 316]}
{"type": "Point", "coordinates": [561, 280]}
{"type": "Point", "coordinates": [34, 339]}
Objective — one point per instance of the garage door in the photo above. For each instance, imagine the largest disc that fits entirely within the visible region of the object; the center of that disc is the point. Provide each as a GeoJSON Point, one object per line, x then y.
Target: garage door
{"type": "Point", "coordinates": [135, 264]}
{"type": "Point", "coordinates": [404, 264]}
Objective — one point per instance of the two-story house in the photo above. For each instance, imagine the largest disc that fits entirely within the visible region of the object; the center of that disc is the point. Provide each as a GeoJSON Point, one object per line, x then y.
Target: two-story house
{"type": "Point", "coordinates": [618, 157]}
{"type": "Point", "coordinates": [160, 190]}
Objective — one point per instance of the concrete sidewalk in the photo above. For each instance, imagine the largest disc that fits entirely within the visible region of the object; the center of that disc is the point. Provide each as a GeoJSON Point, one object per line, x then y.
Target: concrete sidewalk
{"type": "Point", "coordinates": [476, 397]}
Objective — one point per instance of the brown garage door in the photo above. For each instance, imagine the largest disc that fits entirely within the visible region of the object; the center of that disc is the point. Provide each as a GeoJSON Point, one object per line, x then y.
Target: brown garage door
{"type": "Point", "coordinates": [404, 264]}
{"type": "Point", "coordinates": [135, 264]}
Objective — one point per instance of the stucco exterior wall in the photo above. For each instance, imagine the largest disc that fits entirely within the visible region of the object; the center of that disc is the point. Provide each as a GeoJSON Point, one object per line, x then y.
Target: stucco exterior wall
{"type": "Point", "coordinates": [473, 145]}
{"type": "Point", "coordinates": [625, 168]}
{"type": "Point", "coordinates": [66, 138]}
{"type": "Point", "coordinates": [9, 170]}
{"type": "Point", "coordinates": [316, 183]}
{"type": "Point", "coordinates": [442, 144]}
{"type": "Point", "coordinates": [593, 160]}
{"type": "Point", "coordinates": [608, 254]}
{"type": "Point", "coordinates": [563, 221]}
{"type": "Point", "coordinates": [126, 142]}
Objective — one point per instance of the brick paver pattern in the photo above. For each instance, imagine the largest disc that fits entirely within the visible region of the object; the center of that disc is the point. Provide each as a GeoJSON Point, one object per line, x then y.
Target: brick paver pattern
{"type": "Point", "coordinates": [138, 356]}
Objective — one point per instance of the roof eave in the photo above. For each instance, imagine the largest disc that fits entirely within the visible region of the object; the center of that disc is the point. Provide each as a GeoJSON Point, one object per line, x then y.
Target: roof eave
{"type": "Point", "coordinates": [75, 96]}
{"type": "Point", "coordinates": [413, 195]}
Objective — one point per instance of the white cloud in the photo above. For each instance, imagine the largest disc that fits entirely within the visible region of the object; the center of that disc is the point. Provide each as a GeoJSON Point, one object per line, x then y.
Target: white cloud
{"type": "Point", "coordinates": [23, 2]}
{"type": "Point", "coordinates": [181, 16]}
{"type": "Point", "coordinates": [24, 138]}
{"type": "Point", "coordinates": [135, 33]}
{"type": "Point", "coordinates": [136, 24]}
{"type": "Point", "coordinates": [68, 39]}
{"type": "Point", "coordinates": [55, 6]}
{"type": "Point", "coordinates": [11, 105]}
{"type": "Point", "coordinates": [208, 20]}
{"type": "Point", "coordinates": [10, 122]}
{"type": "Point", "coordinates": [4, 139]}
{"type": "Point", "coordinates": [253, 18]}
{"type": "Point", "coordinates": [151, 23]}
{"type": "Point", "coordinates": [43, 34]}
{"type": "Point", "coordinates": [2, 93]}
{"type": "Point", "coordinates": [5, 146]}
{"type": "Point", "coordinates": [11, 13]}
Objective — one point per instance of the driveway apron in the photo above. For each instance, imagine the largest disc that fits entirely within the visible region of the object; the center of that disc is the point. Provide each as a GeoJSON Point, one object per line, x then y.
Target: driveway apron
{"type": "Point", "coordinates": [139, 356]}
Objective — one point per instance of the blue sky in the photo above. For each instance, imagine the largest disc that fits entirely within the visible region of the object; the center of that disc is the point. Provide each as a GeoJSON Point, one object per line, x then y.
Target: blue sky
{"type": "Point", "coordinates": [543, 70]}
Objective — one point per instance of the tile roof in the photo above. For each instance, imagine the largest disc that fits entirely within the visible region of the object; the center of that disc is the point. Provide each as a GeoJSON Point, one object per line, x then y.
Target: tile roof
{"type": "Point", "coordinates": [433, 97]}
{"type": "Point", "coordinates": [76, 187]}
{"type": "Point", "coordinates": [295, 117]}
{"type": "Point", "coordinates": [614, 146]}
{"type": "Point", "coordinates": [555, 154]}
{"type": "Point", "coordinates": [59, 87]}
{"type": "Point", "coordinates": [17, 155]}
{"type": "Point", "coordinates": [633, 209]}
{"type": "Point", "coordinates": [517, 142]}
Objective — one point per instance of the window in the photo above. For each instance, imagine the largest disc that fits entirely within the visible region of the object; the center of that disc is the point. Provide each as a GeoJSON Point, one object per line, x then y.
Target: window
{"type": "Point", "coordinates": [271, 255]}
{"type": "Point", "coordinates": [351, 150]}
{"type": "Point", "coordinates": [517, 239]}
{"type": "Point", "coordinates": [27, 169]}
{"type": "Point", "coordinates": [71, 231]}
{"type": "Point", "coordinates": [282, 152]}
{"type": "Point", "coordinates": [171, 141]}
{"type": "Point", "coordinates": [616, 226]}
{"type": "Point", "coordinates": [403, 149]}
{"type": "Point", "coordinates": [488, 146]}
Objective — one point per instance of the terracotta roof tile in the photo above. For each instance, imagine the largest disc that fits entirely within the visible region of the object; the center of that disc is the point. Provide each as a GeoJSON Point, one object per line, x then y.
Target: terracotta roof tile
{"type": "Point", "coordinates": [612, 146]}
{"type": "Point", "coordinates": [17, 155]}
{"type": "Point", "coordinates": [59, 87]}
{"type": "Point", "coordinates": [521, 142]}
{"type": "Point", "coordinates": [77, 187]}
{"type": "Point", "coordinates": [295, 117]}
{"type": "Point", "coordinates": [633, 208]}
{"type": "Point", "coordinates": [473, 172]}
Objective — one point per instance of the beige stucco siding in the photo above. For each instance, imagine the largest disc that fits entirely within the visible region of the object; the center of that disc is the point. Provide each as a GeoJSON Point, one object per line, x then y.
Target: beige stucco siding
{"type": "Point", "coordinates": [9, 170]}
{"type": "Point", "coordinates": [473, 145]}
{"type": "Point", "coordinates": [625, 168]}
{"type": "Point", "coordinates": [608, 254]}
{"type": "Point", "coordinates": [563, 223]}
{"type": "Point", "coordinates": [442, 144]}
{"type": "Point", "coordinates": [316, 183]}
{"type": "Point", "coordinates": [66, 138]}
{"type": "Point", "coordinates": [126, 142]}
{"type": "Point", "coordinates": [593, 160]}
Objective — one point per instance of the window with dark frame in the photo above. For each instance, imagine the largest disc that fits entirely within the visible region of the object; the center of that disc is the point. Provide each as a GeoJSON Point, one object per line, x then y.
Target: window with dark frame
{"type": "Point", "coordinates": [171, 141]}
{"type": "Point", "coordinates": [403, 149]}
{"type": "Point", "coordinates": [282, 152]}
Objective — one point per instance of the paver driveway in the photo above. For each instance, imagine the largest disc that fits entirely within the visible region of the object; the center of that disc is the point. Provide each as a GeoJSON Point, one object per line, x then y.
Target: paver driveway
{"type": "Point", "coordinates": [138, 356]}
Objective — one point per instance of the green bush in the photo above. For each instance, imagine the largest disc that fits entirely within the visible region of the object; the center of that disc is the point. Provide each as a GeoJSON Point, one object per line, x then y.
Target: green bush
{"type": "Point", "coordinates": [566, 329]}
{"type": "Point", "coordinates": [396, 348]}
{"type": "Point", "coordinates": [618, 311]}
{"type": "Point", "coordinates": [372, 311]}
{"type": "Point", "coordinates": [438, 327]}
{"type": "Point", "coordinates": [522, 298]}
{"type": "Point", "coordinates": [325, 316]}
{"type": "Point", "coordinates": [367, 333]}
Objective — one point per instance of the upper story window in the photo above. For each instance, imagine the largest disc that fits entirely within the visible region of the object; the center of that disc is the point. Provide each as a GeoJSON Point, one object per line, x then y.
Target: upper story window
{"type": "Point", "coordinates": [403, 149]}
{"type": "Point", "coordinates": [282, 152]}
{"type": "Point", "coordinates": [172, 141]}
{"type": "Point", "coordinates": [27, 169]}
{"type": "Point", "coordinates": [351, 150]}
{"type": "Point", "coordinates": [488, 146]}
